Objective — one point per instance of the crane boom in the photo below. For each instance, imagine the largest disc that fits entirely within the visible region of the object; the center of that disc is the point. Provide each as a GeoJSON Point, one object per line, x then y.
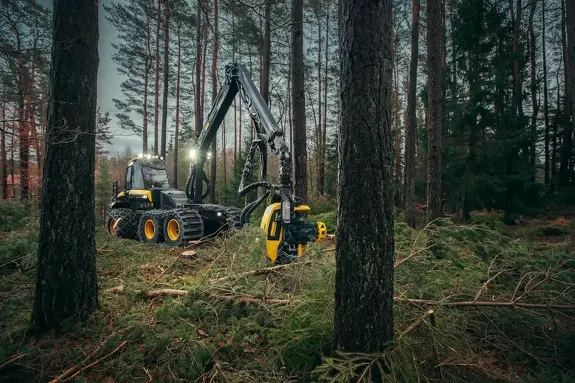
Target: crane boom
{"type": "Point", "coordinates": [268, 135]}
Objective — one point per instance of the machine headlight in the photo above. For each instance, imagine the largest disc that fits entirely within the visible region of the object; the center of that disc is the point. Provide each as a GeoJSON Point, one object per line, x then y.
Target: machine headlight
{"type": "Point", "coordinates": [193, 154]}
{"type": "Point", "coordinates": [141, 155]}
{"type": "Point", "coordinates": [209, 155]}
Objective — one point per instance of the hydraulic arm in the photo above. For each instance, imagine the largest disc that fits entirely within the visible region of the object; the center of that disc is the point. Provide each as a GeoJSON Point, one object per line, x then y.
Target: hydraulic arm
{"type": "Point", "coordinates": [269, 135]}
{"type": "Point", "coordinates": [287, 232]}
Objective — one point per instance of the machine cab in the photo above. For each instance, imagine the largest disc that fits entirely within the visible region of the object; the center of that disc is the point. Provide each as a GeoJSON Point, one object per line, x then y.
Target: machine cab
{"type": "Point", "coordinates": [145, 173]}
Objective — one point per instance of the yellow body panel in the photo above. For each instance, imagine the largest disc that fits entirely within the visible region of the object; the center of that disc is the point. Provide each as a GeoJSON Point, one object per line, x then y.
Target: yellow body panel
{"type": "Point", "coordinates": [135, 193]}
{"type": "Point", "coordinates": [273, 239]}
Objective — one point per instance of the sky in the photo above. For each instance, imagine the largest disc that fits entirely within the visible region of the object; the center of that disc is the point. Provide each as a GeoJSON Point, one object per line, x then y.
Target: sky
{"type": "Point", "coordinates": [109, 80]}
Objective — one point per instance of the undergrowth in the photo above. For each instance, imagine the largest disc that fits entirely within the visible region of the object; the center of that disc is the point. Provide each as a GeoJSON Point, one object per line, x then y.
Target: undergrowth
{"type": "Point", "coordinates": [213, 334]}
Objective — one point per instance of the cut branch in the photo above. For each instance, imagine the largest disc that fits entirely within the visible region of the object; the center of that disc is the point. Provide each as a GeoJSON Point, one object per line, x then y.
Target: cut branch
{"type": "Point", "coordinates": [427, 302]}
{"type": "Point", "coordinates": [267, 270]}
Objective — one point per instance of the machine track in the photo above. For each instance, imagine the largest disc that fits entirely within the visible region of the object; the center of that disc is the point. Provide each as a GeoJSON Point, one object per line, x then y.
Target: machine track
{"type": "Point", "coordinates": [182, 225]}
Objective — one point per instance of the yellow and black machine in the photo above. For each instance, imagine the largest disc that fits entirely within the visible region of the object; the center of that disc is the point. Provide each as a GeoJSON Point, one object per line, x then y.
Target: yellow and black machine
{"type": "Point", "coordinates": [150, 209]}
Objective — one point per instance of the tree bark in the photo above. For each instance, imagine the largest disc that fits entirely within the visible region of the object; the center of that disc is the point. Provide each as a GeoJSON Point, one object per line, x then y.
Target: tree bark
{"type": "Point", "coordinates": [157, 83]}
{"type": "Point", "coordinates": [410, 139]}
{"type": "Point", "coordinates": [198, 105]}
{"type": "Point", "coordinates": [324, 132]}
{"type": "Point", "coordinates": [434, 108]}
{"type": "Point", "coordinates": [23, 128]}
{"type": "Point", "coordinates": [3, 165]}
{"type": "Point", "coordinates": [298, 100]}
{"type": "Point", "coordinates": [266, 54]}
{"type": "Point", "coordinates": [567, 145]}
{"type": "Point", "coordinates": [177, 129]}
{"type": "Point", "coordinates": [365, 242]}
{"type": "Point", "coordinates": [145, 117]}
{"type": "Point", "coordinates": [66, 282]}
{"type": "Point", "coordinates": [534, 102]}
{"type": "Point", "coordinates": [213, 163]}
{"type": "Point", "coordinates": [545, 101]}
{"type": "Point", "coordinates": [319, 137]}
{"type": "Point", "coordinates": [166, 76]}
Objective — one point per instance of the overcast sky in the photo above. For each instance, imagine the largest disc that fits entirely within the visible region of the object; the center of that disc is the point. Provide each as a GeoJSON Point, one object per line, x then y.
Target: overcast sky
{"type": "Point", "coordinates": [109, 80]}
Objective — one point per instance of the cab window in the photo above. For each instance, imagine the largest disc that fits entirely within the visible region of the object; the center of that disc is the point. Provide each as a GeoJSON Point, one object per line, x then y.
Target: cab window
{"type": "Point", "coordinates": [129, 173]}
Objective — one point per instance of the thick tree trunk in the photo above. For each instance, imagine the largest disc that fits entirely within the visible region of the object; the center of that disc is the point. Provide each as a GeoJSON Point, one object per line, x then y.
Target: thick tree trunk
{"type": "Point", "coordinates": [177, 132]}
{"type": "Point", "coordinates": [567, 145]}
{"type": "Point", "coordinates": [434, 108]}
{"type": "Point", "coordinates": [410, 138]}
{"type": "Point", "coordinates": [198, 104]}
{"type": "Point", "coordinates": [545, 101]}
{"type": "Point", "coordinates": [534, 102]}
{"type": "Point", "coordinates": [213, 163]}
{"type": "Point", "coordinates": [66, 284]}
{"type": "Point", "coordinates": [166, 76]}
{"type": "Point", "coordinates": [157, 83]}
{"type": "Point", "coordinates": [298, 100]}
{"type": "Point", "coordinates": [398, 199]}
{"type": "Point", "coordinates": [266, 52]}
{"type": "Point", "coordinates": [365, 242]}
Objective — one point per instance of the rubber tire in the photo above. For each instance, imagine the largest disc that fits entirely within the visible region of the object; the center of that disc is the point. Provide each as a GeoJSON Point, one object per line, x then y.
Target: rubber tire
{"type": "Point", "coordinates": [127, 226]}
{"type": "Point", "coordinates": [157, 216]}
{"type": "Point", "coordinates": [191, 230]}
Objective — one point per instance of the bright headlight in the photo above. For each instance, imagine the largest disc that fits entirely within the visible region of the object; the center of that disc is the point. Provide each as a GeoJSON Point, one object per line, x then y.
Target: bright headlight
{"type": "Point", "coordinates": [209, 155]}
{"type": "Point", "coordinates": [193, 154]}
{"type": "Point", "coordinates": [141, 155]}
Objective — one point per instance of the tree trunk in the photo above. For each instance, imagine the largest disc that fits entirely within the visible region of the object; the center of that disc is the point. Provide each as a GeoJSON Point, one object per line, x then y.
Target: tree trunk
{"type": "Point", "coordinates": [554, 180]}
{"type": "Point", "coordinates": [318, 131]}
{"type": "Point", "coordinates": [66, 283]}
{"type": "Point", "coordinates": [177, 132]}
{"type": "Point", "coordinates": [365, 242]}
{"type": "Point", "coordinates": [567, 146]}
{"type": "Point", "coordinates": [23, 128]}
{"type": "Point", "coordinates": [545, 101]}
{"type": "Point", "coordinates": [410, 138]}
{"type": "Point", "coordinates": [398, 199]}
{"type": "Point", "coordinates": [3, 165]}
{"type": "Point", "coordinates": [534, 103]}
{"type": "Point", "coordinates": [266, 54]}
{"type": "Point", "coordinates": [235, 108]}
{"type": "Point", "coordinates": [434, 108]}
{"type": "Point", "coordinates": [145, 118]}
{"type": "Point", "coordinates": [298, 100]}
{"type": "Point", "coordinates": [166, 76]}
{"type": "Point", "coordinates": [214, 94]}
{"type": "Point", "coordinates": [198, 105]}
{"type": "Point", "coordinates": [157, 84]}
{"type": "Point", "coordinates": [324, 132]}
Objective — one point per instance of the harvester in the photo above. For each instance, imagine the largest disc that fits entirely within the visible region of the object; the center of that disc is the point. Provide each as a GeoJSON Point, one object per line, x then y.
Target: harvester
{"type": "Point", "coordinates": [151, 210]}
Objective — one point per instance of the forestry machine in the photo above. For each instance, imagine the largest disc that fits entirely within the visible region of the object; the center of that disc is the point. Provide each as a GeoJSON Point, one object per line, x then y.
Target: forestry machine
{"type": "Point", "coordinates": [153, 211]}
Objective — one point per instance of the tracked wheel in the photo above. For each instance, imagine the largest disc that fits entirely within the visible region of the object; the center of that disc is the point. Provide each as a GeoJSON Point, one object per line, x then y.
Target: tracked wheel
{"type": "Point", "coordinates": [121, 223]}
{"type": "Point", "coordinates": [234, 216]}
{"type": "Point", "coordinates": [151, 226]}
{"type": "Point", "coordinates": [181, 226]}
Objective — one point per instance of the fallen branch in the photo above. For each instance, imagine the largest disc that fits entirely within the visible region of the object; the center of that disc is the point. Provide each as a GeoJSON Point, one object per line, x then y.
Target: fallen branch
{"type": "Point", "coordinates": [417, 323]}
{"type": "Point", "coordinates": [248, 299]}
{"type": "Point", "coordinates": [168, 292]}
{"type": "Point", "coordinates": [80, 365]}
{"type": "Point", "coordinates": [266, 270]}
{"type": "Point", "coordinates": [114, 290]}
{"type": "Point", "coordinates": [120, 346]}
{"type": "Point", "coordinates": [427, 302]}
{"type": "Point", "coordinates": [13, 358]}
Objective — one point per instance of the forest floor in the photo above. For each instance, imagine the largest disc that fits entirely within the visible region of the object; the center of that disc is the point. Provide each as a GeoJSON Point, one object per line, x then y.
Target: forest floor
{"type": "Point", "coordinates": [478, 303]}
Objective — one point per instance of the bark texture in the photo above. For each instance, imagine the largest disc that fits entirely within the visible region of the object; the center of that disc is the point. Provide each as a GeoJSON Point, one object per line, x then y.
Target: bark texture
{"type": "Point", "coordinates": [157, 82]}
{"type": "Point", "coordinates": [410, 134]}
{"type": "Point", "coordinates": [66, 284]}
{"type": "Point", "coordinates": [567, 146]}
{"type": "Point", "coordinates": [434, 108]}
{"type": "Point", "coordinates": [365, 243]}
{"type": "Point", "coordinates": [166, 74]}
{"type": "Point", "coordinates": [213, 163]}
{"type": "Point", "coordinates": [298, 100]}
{"type": "Point", "coordinates": [177, 132]}
{"type": "Point", "coordinates": [545, 96]}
